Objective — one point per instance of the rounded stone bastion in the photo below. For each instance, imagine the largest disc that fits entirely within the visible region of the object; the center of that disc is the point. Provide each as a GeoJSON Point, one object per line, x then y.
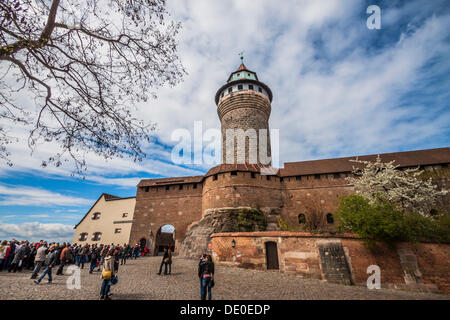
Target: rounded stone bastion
{"type": "Point", "coordinates": [241, 185]}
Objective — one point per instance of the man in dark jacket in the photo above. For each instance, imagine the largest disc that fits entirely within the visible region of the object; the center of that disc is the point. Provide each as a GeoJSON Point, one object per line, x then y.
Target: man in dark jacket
{"type": "Point", "coordinates": [64, 257]}
{"type": "Point", "coordinates": [164, 262]}
{"type": "Point", "coordinates": [206, 275]}
{"type": "Point", "coordinates": [49, 263]}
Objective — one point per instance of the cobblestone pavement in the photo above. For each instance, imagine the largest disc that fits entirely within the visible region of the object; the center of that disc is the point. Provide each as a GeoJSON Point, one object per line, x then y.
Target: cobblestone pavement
{"type": "Point", "coordinates": [138, 280]}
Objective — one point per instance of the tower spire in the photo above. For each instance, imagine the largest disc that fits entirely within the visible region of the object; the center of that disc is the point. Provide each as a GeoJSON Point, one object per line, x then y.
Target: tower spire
{"type": "Point", "coordinates": [241, 54]}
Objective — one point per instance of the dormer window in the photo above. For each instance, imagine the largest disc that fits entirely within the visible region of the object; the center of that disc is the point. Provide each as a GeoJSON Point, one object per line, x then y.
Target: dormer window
{"type": "Point", "coordinates": [96, 216]}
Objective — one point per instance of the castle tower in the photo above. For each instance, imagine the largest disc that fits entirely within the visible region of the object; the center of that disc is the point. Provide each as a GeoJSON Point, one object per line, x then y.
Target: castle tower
{"type": "Point", "coordinates": [244, 106]}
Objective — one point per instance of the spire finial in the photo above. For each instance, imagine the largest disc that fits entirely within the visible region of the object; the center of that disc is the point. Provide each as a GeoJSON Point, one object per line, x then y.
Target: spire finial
{"type": "Point", "coordinates": [241, 54]}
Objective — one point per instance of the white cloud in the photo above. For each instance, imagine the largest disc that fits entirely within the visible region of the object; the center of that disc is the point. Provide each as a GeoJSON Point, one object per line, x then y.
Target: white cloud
{"type": "Point", "coordinates": [335, 99]}
{"type": "Point", "coordinates": [29, 196]}
{"type": "Point", "coordinates": [35, 231]}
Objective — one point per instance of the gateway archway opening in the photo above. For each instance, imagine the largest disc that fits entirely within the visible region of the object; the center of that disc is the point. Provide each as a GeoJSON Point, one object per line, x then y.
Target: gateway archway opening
{"type": "Point", "coordinates": [165, 238]}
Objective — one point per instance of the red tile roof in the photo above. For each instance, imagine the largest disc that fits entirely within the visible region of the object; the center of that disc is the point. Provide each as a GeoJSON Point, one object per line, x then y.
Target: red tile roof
{"type": "Point", "coordinates": [402, 159]}
{"type": "Point", "coordinates": [169, 181]}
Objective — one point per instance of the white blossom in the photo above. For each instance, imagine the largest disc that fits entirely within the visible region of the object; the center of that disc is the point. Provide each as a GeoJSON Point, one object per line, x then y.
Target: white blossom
{"type": "Point", "coordinates": [402, 187]}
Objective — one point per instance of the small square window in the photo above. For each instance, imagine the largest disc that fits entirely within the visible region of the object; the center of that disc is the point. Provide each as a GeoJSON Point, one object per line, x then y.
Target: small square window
{"type": "Point", "coordinates": [181, 187]}
{"type": "Point", "coordinates": [240, 87]}
{"type": "Point", "coordinates": [298, 178]}
{"type": "Point", "coordinates": [215, 177]}
{"type": "Point", "coordinates": [234, 173]}
{"type": "Point", "coordinates": [259, 89]}
{"type": "Point", "coordinates": [252, 174]}
{"type": "Point", "coordinates": [167, 188]}
{"type": "Point", "coordinates": [336, 175]}
{"type": "Point", "coordinates": [230, 90]}
{"type": "Point", "coordinates": [195, 186]}
{"type": "Point", "coordinates": [317, 176]}
{"type": "Point", "coordinates": [147, 189]}
{"type": "Point", "coordinates": [250, 87]}
{"type": "Point", "coordinates": [118, 230]}
{"type": "Point", "coordinates": [268, 177]}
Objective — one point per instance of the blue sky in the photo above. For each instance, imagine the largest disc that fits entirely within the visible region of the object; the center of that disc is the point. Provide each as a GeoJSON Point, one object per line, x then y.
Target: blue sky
{"type": "Point", "coordinates": [339, 88]}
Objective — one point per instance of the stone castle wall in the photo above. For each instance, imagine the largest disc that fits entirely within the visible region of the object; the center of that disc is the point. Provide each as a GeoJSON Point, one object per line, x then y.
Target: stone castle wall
{"type": "Point", "coordinates": [158, 206]}
{"type": "Point", "coordinates": [422, 267]}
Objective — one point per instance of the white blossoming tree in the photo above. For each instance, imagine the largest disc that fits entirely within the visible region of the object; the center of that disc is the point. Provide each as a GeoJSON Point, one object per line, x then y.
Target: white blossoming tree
{"type": "Point", "coordinates": [402, 187]}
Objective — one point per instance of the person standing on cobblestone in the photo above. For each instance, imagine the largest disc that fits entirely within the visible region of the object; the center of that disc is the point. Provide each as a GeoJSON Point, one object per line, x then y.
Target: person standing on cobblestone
{"type": "Point", "coordinates": [94, 258]}
{"type": "Point", "coordinates": [63, 258]}
{"type": "Point", "coordinates": [108, 268]}
{"type": "Point", "coordinates": [49, 263]}
{"type": "Point", "coordinates": [165, 261]}
{"type": "Point", "coordinates": [39, 259]}
{"type": "Point", "coordinates": [3, 251]}
{"type": "Point", "coordinates": [206, 275]}
{"type": "Point", "coordinates": [19, 255]}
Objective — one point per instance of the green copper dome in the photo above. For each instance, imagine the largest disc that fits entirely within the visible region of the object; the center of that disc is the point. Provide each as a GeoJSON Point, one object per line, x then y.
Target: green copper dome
{"type": "Point", "coordinates": [242, 73]}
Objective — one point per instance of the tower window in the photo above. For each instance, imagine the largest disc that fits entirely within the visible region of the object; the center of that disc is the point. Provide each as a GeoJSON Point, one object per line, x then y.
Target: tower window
{"type": "Point", "coordinates": [240, 87]}
{"type": "Point", "coordinates": [330, 218]}
{"type": "Point", "coordinates": [298, 178]}
{"type": "Point", "coordinates": [301, 218]}
{"type": "Point", "coordinates": [230, 90]}
{"type": "Point", "coordinates": [147, 189]}
{"type": "Point", "coordinates": [268, 177]}
{"type": "Point", "coordinates": [118, 230]}
{"type": "Point", "coordinates": [215, 177]}
{"type": "Point", "coordinates": [259, 89]}
{"type": "Point", "coordinates": [336, 175]}
{"type": "Point", "coordinates": [195, 186]}
{"type": "Point", "coordinates": [317, 176]}
{"type": "Point", "coordinates": [181, 187]}
{"type": "Point", "coordinates": [167, 188]}
{"type": "Point", "coordinates": [234, 173]}
{"type": "Point", "coordinates": [250, 87]}
{"type": "Point", "coordinates": [281, 179]}
{"type": "Point", "coordinates": [252, 174]}
{"type": "Point", "coordinates": [222, 94]}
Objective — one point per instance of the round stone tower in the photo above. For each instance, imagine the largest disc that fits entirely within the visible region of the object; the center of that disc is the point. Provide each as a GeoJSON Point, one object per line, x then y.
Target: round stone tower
{"type": "Point", "coordinates": [243, 105]}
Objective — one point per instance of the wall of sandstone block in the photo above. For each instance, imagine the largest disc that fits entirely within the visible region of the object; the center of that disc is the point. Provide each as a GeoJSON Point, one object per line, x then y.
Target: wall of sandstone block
{"type": "Point", "coordinates": [423, 267]}
{"type": "Point", "coordinates": [159, 207]}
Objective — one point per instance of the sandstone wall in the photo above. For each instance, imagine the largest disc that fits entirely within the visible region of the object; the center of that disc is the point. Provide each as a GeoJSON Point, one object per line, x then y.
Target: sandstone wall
{"type": "Point", "coordinates": [158, 206]}
{"type": "Point", "coordinates": [424, 267]}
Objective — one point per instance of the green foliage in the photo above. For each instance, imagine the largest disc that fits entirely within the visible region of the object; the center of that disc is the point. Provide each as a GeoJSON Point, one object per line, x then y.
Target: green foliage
{"type": "Point", "coordinates": [285, 226]}
{"type": "Point", "coordinates": [250, 220]}
{"type": "Point", "coordinates": [383, 222]}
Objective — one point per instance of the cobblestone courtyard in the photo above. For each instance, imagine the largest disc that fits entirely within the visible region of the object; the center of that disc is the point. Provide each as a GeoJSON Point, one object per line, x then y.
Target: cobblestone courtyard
{"type": "Point", "coordinates": [138, 280]}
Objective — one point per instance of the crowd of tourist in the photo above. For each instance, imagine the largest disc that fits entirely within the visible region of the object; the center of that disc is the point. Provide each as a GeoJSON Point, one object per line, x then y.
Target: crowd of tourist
{"type": "Point", "coordinates": [16, 256]}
